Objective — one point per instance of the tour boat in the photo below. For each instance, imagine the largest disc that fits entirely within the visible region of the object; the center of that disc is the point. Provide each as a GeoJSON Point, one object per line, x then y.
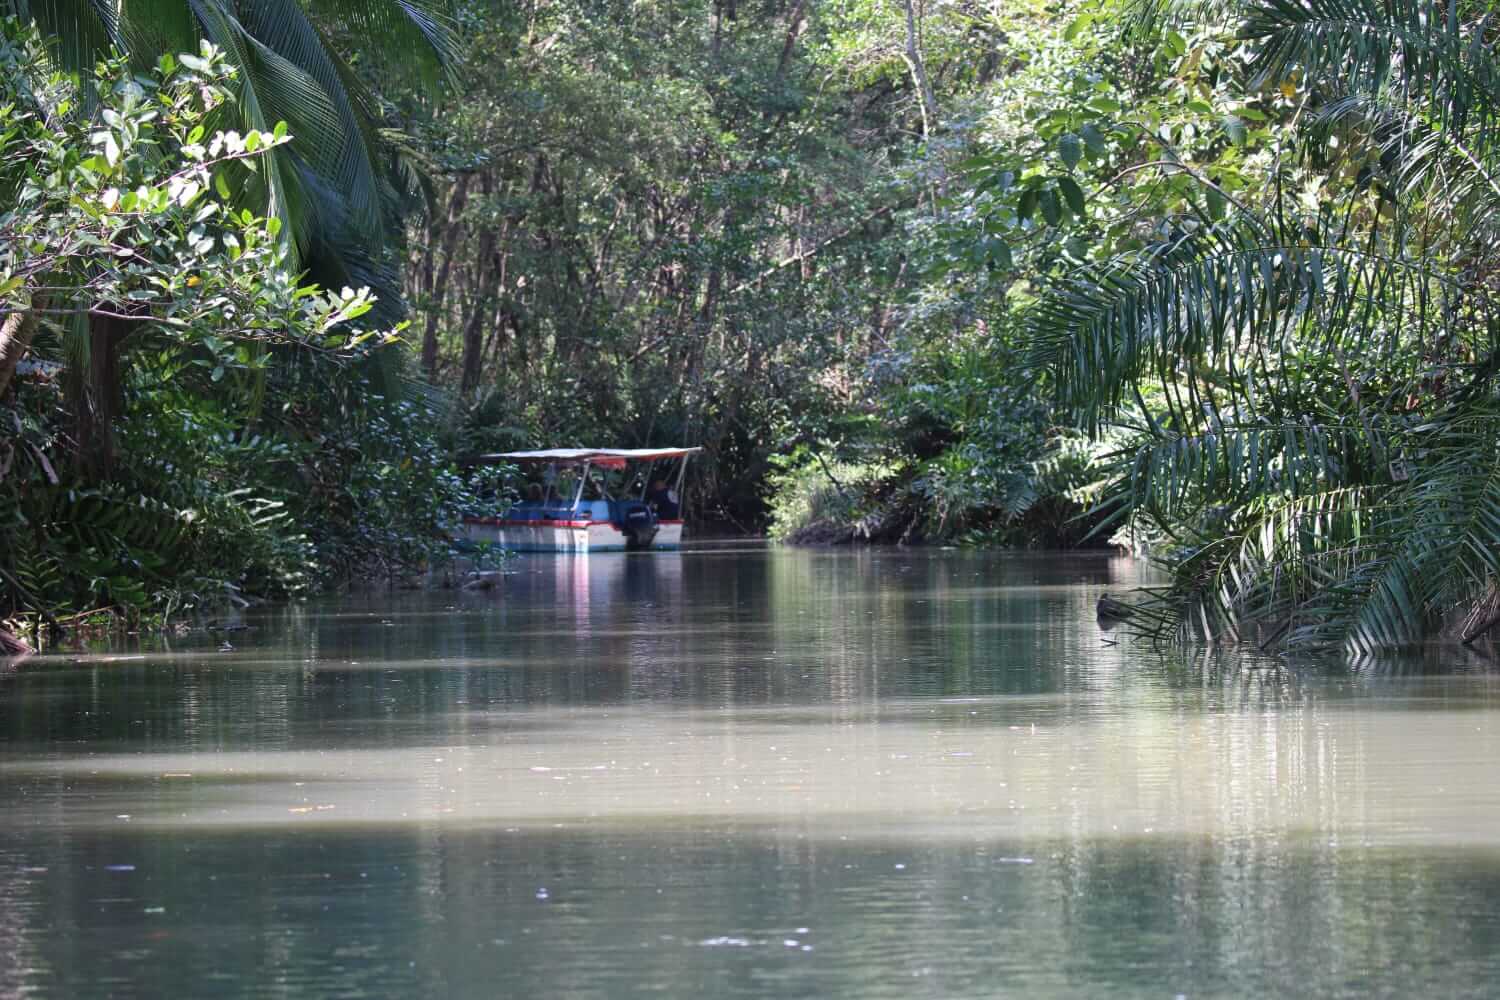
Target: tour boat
{"type": "Point", "coordinates": [586, 500]}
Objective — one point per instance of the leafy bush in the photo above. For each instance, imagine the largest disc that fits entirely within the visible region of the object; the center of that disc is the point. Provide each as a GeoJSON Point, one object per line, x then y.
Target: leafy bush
{"type": "Point", "coordinates": [817, 502]}
{"type": "Point", "coordinates": [191, 423]}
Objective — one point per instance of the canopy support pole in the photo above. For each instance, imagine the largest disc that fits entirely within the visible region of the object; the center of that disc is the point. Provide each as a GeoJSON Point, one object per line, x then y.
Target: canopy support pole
{"type": "Point", "coordinates": [583, 480]}
{"type": "Point", "coordinates": [549, 480]}
{"type": "Point", "coordinates": [681, 471]}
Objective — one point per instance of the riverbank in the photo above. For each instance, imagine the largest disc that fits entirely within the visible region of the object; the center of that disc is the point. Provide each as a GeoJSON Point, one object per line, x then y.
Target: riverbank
{"type": "Point", "coordinates": [827, 504]}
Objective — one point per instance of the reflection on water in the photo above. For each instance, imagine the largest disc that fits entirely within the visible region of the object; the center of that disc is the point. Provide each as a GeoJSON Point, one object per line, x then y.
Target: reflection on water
{"type": "Point", "coordinates": [743, 773]}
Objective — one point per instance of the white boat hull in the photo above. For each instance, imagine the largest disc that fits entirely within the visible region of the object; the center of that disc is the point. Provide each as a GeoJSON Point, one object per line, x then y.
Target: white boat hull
{"type": "Point", "coordinates": [579, 537]}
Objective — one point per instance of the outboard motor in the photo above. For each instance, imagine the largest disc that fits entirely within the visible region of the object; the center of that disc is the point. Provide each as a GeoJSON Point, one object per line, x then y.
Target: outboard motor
{"type": "Point", "coordinates": [638, 521]}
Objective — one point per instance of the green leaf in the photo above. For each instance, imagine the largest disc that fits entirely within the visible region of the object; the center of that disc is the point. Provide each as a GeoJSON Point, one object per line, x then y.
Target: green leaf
{"type": "Point", "coordinates": [1216, 204]}
{"type": "Point", "coordinates": [1027, 203]}
{"type": "Point", "coordinates": [1078, 26]}
{"type": "Point", "coordinates": [1073, 194]}
{"type": "Point", "coordinates": [1051, 207]}
{"type": "Point", "coordinates": [993, 252]}
{"type": "Point", "coordinates": [1070, 149]}
{"type": "Point", "coordinates": [1001, 254]}
{"type": "Point", "coordinates": [999, 180]}
{"type": "Point", "coordinates": [1093, 141]}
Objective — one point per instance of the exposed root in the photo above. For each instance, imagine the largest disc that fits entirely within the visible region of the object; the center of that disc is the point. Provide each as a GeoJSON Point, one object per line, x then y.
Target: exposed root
{"type": "Point", "coordinates": [12, 646]}
{"type": "Point", "coordinates": [1482, 617]}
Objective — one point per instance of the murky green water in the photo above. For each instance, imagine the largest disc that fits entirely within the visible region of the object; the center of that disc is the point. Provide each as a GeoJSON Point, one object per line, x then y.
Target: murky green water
{"type": "Point", "coordinates": [744, 773]}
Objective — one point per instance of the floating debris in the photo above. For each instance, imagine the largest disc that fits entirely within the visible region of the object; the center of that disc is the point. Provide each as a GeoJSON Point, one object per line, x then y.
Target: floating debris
{"type": "Point", "coordinates": [725, 942]}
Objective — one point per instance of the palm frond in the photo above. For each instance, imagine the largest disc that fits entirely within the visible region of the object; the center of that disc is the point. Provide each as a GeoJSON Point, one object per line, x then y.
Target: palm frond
{"type": "Point", "coordinates": [1264, 579]}
{"type": "Point", "coordinates": [1434, 548]}
{"type": "Point", "coordinates": [149, 28]}
{"type": "Point", "coordinates": [1448, 173]}
{"type": "Point", "coordinates": [1420, 51]}
{"type": "Point", "coordinates": [1147, 19]}
{"type": "Point", "coordinates": [276, 185]}
{"type": "Point", "coordinates": [1238, 296]}
{"type": "Point", "coordinates": [417, 38]}
{"type": "Point", "coordinates": [79, 33]}
{"type": "Point", "coordinates": [343, 153]}
{"type": "Point", "coordinates": [1176, 476]}
{"type": "Point", "coordinates": [1359, 568]}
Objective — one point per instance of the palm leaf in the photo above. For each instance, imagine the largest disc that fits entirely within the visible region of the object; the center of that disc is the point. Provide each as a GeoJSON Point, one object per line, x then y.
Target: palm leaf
{"type": "Point", "coordinates": [418, 38]}
{"type": "Point", "coordinates": [149, 28]}
{"type": "Point", "coordinates": [343, 155]}
{"type": "Point", "coordinates": [79, 32]}
{"type": "Point", "coordinates": [1235, 294]}
{"type": "Point", "coordinates": [1438, 545]}
{"type": "Point", "coordinates": [1174, 476]}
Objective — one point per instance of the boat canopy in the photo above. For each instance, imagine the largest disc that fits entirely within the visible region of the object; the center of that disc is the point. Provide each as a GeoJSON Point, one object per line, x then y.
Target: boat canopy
{"type": "Point", "coordinates": [609, 458]}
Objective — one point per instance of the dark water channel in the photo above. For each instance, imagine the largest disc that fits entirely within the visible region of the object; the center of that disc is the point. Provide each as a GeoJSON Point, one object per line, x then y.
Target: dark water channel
{"type": "Point", "coordinates": [737, 772]}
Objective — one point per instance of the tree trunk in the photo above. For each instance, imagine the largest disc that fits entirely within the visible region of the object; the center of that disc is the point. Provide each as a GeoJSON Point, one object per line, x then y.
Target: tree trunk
{"type": "Point", "coordinates": [488, 267]}
{"type": "Point", "coordinates": [97, 396]}
{"type": "Point", "coordinates": [12, 646]}
{"type": "Point", "coordinates": [913, 57]}
{"type": "Point", "coordinates": [793, 28]}
{"type": "Point", "coordinates": [16, 333]}
{"type": "Point", "coordinates": [439, 289]}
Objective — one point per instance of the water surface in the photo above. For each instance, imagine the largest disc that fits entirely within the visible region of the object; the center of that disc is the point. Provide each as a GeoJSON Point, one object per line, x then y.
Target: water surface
{"type": "Point", "coordinates": [747, 773]}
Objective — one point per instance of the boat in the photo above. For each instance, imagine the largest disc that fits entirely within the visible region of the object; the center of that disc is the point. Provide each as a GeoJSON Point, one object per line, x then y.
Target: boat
{"type": "Point", "coordinates": [585, 500]}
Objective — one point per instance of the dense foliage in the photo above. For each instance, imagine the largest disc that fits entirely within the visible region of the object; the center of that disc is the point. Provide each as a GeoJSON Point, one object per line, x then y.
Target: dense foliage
{"type": "Point", "coordinates": [191, 420]}
{"type": "Point", "coordinates": [1211, 281]}
{"type": "Point", "coordinates": [1307, 364]}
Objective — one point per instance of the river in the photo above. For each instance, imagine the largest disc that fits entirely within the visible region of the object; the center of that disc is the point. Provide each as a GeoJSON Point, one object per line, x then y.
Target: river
{"type": "Point", "coordinates": [744, 772]}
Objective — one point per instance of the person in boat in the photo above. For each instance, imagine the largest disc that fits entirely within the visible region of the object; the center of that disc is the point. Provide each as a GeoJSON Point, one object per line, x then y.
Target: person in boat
{"type": "Point", "coordinates": [534, 493]}
{"type": "Point", "coordinates": [663, 500]}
